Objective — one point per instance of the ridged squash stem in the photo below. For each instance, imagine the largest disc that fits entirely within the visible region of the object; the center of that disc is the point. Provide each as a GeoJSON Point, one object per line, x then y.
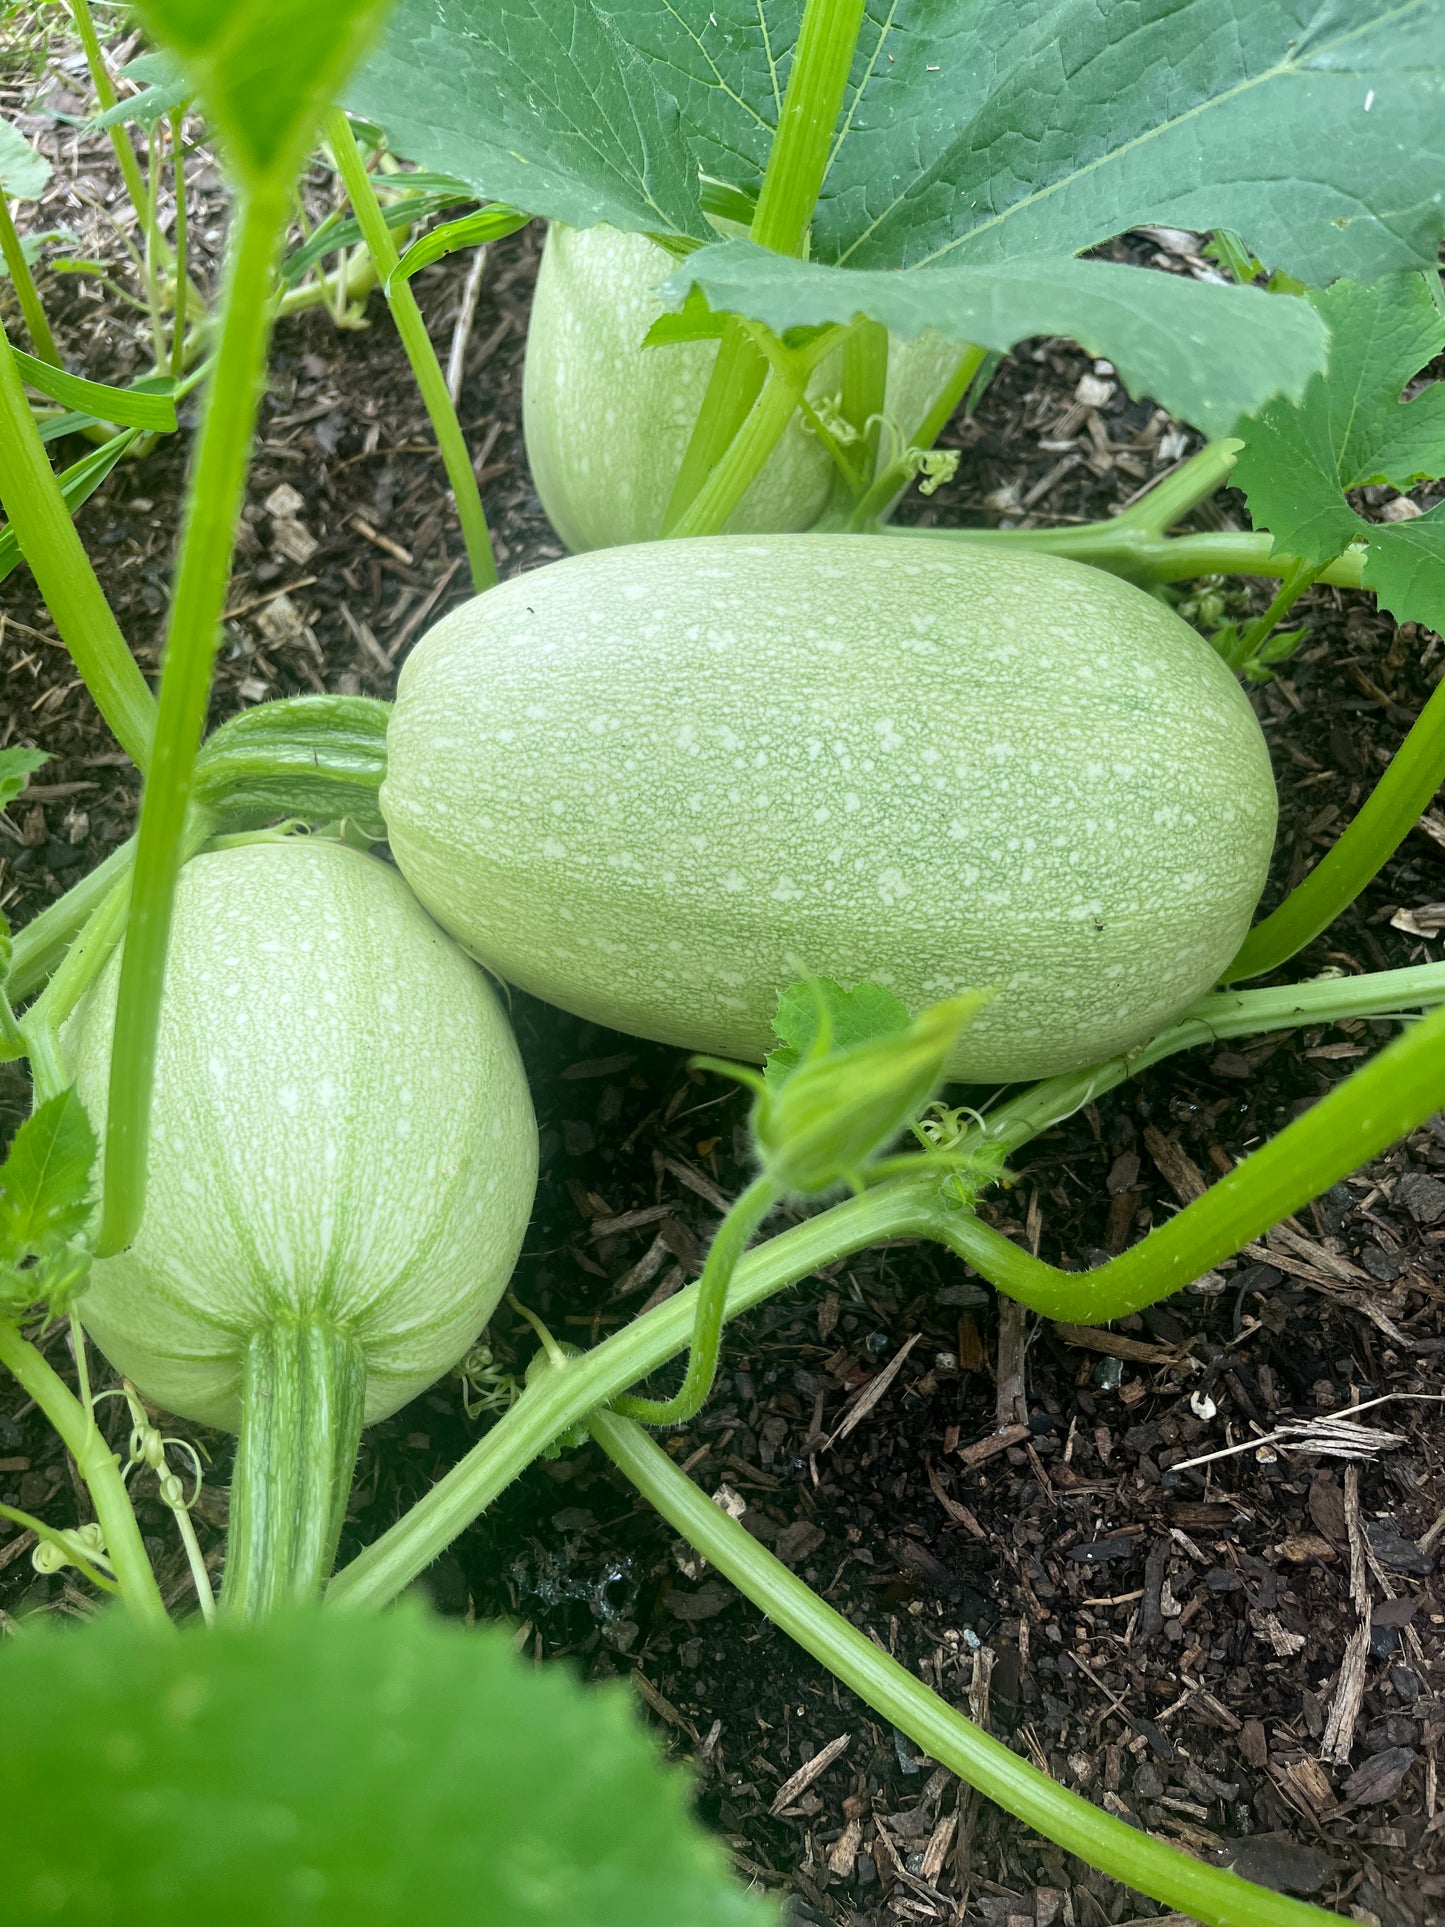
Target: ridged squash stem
{"type": "Point", "coordinates": [31, 497]}
{"type": "Point", "coordinates": [302, 1393]}
{"type": "Point", "coordinates": [733, 387]}
{"type": "Point", "coordinates": [208, 536]}
{"type": "Point", "coordinates": [759, 435]}
{"type": "Point", "coordinates": [555, 1401]}
{"type": "Point", "coordinates": [105, 95]}
{"type": "Point", "coordinates": [734, 1235]}
{"type": "Point", "coordinates": [1380, 826]}
{"type": "Point", "coordinates": [411, 327]}
{"type": "Point", "coordinates": [1252, 638]}
{"type": "Point", "coordinates": [39, 948]}
{"type": "Point", "coordinates": [1145, 557]}
{"type": "Point", "coordinates": [1361, 1117]}
{"type": "Point", "coordinates": [97, 1465]}
{"type": "Point", "coordinates": [803, 144]}
{"type": "Point", "coordinates": [1152, 1867]}
{"type": "Point", "coordinates": [886, 487]}
{"type": "Point", "coordinates": [82, 964]}
{"type": "Point", "coordinates": [865, 388]}
{"type": "Point", "coordinates": [1193, 482]}
{"type": "Point", "coordinates": [1397, 994]}
{"type": "Point", "coordinates": [32, 308]}
{"type": "Point", "coordinates": [801, 150]}
{"type": "Point", "coordinates": [907, 1206]}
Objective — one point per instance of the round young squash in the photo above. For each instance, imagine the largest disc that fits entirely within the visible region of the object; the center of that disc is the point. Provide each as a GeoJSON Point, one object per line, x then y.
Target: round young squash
{"type": "Point", "coordinates": [341, 1130]}
{"type": "Point", "coordinates": [656, 785]}
{"type": "Point", "coordinates": [607, 421]}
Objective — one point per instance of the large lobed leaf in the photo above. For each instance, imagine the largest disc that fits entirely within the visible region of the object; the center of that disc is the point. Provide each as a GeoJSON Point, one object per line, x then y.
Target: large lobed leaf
{"type": "Point", "coordinates": [547, 104]}
{"type": "Point", "coordinates": [336, 1770]}
{"type": "Point", "coordinates": [1208, 353]}
{"type": "Point", "coordinates": [1351, 429]}
{"type": "Point", "coordinates": [984, 130]}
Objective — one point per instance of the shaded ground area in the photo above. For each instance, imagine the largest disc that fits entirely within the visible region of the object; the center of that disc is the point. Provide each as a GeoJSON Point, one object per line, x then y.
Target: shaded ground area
{"type": "Point", "coordinates": [1174, 1642]}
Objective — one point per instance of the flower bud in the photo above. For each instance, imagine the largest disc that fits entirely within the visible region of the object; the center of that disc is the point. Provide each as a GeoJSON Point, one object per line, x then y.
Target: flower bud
{"type": "Point", "coordinates": [838, 1110]}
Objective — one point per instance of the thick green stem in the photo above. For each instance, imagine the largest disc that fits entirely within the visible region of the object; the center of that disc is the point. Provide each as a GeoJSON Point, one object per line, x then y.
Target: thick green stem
{"type": "Point", "coordinates": [1193, 482]}
{"type": "Point", "coordinates": [1256, 634]}
{"type": "Point", "coordinates": [734, 1235]}
{"type": "Point", "coordinates": [1382, 824]}
{"type": "Point", "coordinates": [425, 367]}
{"type": "Point", "coordinates": [736, 381]}
{"type": "Point", "coordinates": [39, 948]}
{"type": "Point", "coordinates": [797, 163]}
{"type": "Point", "coordinates": [208, 536]}
{"type": "Point", "coordinates": [803, 143]}
{"type": "Point", "coordinates": [82, 964]}
{"type": "Point", "coordinates": [750, 448]}
{"type": "Point", "coordinates": [1361, 1117]}
{"type": "Point", "coordinates": [31, 497]}
{"type": "Point", "coordinates": [556, 1401]}
{"type": "Point", "coordinates": [1223, 1014]}
{"type": "Point", "coordinates": [303, 1391]}
{"type": "Point", "coordinates": [98, 1467]}
{"type": "Point", "coordinates": [26, 292]}
{"type": "Point", "coordinates": [1165, 1873]}
{"type": "Point", "coordinates": [1148, 558]}
{"type": "Point", "coordinates": [907, 1206]}
{"type": "Point", "coordinates": [865, 390]}
{"type": "Point", "coordinates": [880, 498]}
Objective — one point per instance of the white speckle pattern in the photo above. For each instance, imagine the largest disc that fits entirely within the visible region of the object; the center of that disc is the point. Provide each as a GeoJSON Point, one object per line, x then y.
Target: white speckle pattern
{"type": "Point", "coordinates": [607, 420]}
{"type": "Point", "coordinates": [341, 1123]}
{"type": "Point", "coordinates": [1092, 849]}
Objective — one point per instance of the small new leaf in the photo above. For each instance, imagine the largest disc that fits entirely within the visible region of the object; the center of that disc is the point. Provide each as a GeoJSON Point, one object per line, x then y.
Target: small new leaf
{"type": "Point", "coordinates": [1350, 430]}
{"type": "Point", "coordinates": [819, 1015]}
{"type": "Point", "coordinates": [839, 1109]}
{"type": "Point", "coordinates": [491, 223]}
{"type": "Point", "coordinates": [163, 88]}
{"type": "Point", "coordinates": [45, 1179]}
{"type": "Point", "coordinates": [17, 766]}
{"type": "Point", "coordinates": [23, 172]}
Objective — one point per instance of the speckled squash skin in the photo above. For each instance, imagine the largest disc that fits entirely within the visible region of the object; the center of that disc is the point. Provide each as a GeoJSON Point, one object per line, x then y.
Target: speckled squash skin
{"type": "Point", "coordinates": [341, 1126]}
{"type": "Point", "coordinates": [656, 785]}
{"type": "Point", "coordinates": [607, 421]}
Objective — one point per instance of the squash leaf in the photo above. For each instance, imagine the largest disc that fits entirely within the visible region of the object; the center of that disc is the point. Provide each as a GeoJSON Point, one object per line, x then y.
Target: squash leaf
{"type": "Point", "coordinates": [1351, 429]}
{"type": "Point", "coordinates": [847, 1017]}
{"type": "Point", "coordinates": [146, 405]}
{"type": "Point", "coordinates": [547, 104]}
{"type": "Point", "coordinates": [45, 1201]}
{"type": "Point", "coordinates": [1206, 352]}
{"type": "Point", "coordinates": [17, 766]}
{"type": "Point", "coordinates": [23, 172]}
{"type": "Point", "coordinates": [979, 130]}
{"type": "Point", "coordinates": [163, 88]}
{"type": "Point", "coordinates": [338, 1770]}
{"type": "Point", "coordinates": [264, 70]}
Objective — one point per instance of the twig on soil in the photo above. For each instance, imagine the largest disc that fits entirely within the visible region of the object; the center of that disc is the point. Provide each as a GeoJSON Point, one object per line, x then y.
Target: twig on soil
{"type": "Point", "coordinates": [1334, 1435]}
{"type": "Point", "coordinates": [461, 333]}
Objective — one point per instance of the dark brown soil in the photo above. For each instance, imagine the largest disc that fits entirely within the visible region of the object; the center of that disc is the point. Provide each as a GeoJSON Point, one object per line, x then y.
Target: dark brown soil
{"type": "Point", "coordinates": [1168, 1641]}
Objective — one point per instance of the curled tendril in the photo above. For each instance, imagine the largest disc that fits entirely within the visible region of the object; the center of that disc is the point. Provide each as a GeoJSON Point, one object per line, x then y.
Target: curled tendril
{"type": "Point", "coordinates": [486, 1388]}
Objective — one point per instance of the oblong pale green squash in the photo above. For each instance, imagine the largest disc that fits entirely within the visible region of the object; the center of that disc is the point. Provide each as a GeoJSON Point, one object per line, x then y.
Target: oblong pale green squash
{"type": "Point", "coordinates": [607, 421]}
{"type": "Point", "coordinates": [341, 1127]}
{"type": "Point", "coordinates": [656, 785]}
